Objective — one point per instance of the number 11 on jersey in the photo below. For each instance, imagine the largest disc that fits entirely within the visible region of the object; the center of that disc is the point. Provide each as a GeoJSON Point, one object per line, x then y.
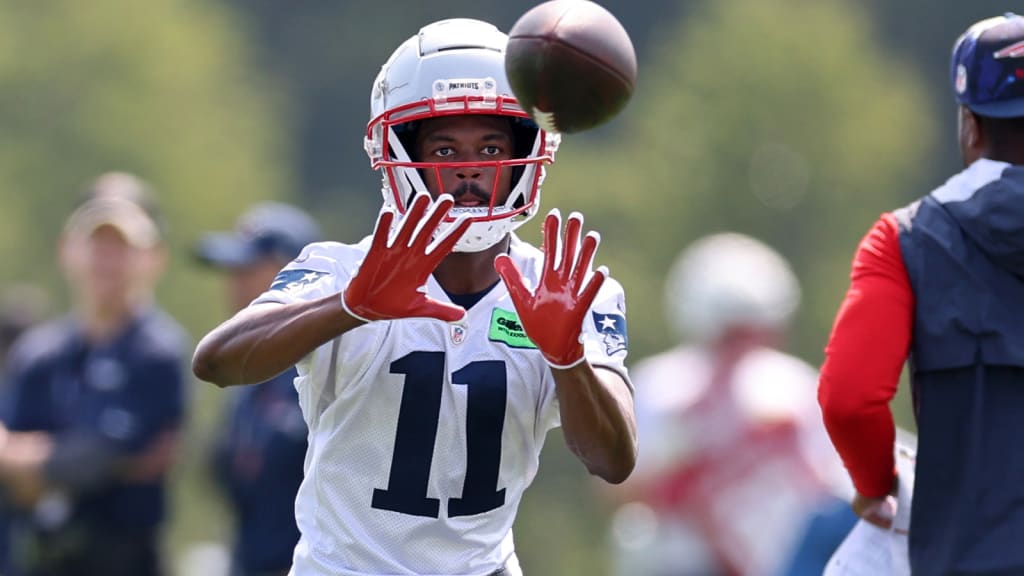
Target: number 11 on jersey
{"type": "Point", "coordinates": [418, 417]}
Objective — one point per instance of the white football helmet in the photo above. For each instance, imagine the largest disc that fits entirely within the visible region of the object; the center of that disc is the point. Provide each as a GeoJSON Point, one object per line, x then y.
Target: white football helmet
{"type": "Point", "coordinates": [729, 280]}
{"type": "Point", "coordinates": [451, 67]}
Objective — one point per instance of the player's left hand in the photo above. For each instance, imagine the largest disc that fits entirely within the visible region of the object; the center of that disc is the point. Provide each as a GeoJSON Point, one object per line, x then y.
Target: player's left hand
{"type": "Point", "coordinates": [390, 282]}
{"type": "Point", "coordinates": [552, 314]}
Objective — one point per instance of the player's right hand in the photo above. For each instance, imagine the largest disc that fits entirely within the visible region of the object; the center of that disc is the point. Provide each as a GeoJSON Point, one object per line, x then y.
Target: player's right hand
{"type": "Point", "coordinates": [877, 511]}
{"type": "Point", "coordinates": [390, 281]}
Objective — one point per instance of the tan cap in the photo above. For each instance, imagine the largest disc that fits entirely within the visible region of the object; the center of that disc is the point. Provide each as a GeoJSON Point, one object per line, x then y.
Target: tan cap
{"type": "Point", "coordinates": [130, 219]}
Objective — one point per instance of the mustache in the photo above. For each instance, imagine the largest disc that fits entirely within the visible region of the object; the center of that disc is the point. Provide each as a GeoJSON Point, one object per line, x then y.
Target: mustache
{"type": "Point", "coordinates": [472, 189]}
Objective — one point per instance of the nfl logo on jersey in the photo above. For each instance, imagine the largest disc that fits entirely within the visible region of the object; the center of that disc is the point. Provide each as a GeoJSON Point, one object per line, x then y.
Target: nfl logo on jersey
{"type": "Point", "coordinates": [458, 334]}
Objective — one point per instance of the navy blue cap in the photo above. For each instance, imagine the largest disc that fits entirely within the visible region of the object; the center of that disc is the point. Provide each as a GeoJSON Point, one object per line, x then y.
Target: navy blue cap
{"type": "Point", "coordinates": [988, 67]}
{"type": "Point", "coordinates": [267, 230]}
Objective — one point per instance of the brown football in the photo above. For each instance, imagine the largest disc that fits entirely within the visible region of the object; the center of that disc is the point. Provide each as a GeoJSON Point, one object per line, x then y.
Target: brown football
{"type": "Point", "coordinates": [571, 64]}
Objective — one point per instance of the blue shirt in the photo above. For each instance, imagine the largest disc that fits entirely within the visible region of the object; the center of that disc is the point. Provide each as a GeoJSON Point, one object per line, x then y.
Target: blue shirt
{"type": "Point", "coordinates": [115, 398]}
{"type": "Point", "coordinates": [5, 521]}
{"type": "Point", "coordinates": [259, 461]}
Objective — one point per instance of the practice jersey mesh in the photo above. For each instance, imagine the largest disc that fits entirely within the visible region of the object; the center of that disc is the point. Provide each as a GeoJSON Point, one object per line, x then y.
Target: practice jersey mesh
{"type": "Point", "coordinates": [423, 434]}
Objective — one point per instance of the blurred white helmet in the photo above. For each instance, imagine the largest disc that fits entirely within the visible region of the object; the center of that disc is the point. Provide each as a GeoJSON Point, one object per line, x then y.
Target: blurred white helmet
{"type": "Point", "coordinates": [454, 67]}
{"type": "Point", "coordinates": [729, 280]}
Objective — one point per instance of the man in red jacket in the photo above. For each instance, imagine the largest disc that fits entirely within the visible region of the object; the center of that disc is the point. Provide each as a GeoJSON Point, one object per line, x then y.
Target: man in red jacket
{"type": "Point", "coordinates": [942, 281]}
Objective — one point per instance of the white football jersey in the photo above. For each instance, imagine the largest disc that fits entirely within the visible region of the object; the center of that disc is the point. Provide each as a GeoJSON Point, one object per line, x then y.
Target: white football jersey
{"type": "Point", "coordinates": [423, 435]}
{"type": "Point", "coordinates": [735, 465]}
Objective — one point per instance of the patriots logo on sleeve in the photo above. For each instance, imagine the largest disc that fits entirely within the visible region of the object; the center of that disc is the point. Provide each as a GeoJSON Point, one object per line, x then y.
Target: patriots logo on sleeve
{"type": "Point", "coordinates": [292, 279]}
{"type": "Point", "coordinates": [612, 328]}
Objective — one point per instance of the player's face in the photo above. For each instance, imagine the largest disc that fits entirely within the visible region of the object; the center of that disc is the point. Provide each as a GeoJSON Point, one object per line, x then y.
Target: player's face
{"type": "Point", "coordinates": [108, 273]}
{"type": "Point", "coordinates": [467, 138]}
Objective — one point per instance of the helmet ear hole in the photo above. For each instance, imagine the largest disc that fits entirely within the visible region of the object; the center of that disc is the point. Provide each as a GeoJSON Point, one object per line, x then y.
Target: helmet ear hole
{"type": "Point", "coordinates": [407, 134]}
{"type": "Point", "coordinates": [524, 139]}
{"type": "Point", "coordinates": [524, 135]}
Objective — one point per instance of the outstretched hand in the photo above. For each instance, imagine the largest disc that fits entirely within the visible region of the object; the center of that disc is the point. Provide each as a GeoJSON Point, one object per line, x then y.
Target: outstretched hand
{"type": "Point", "coordinates": [552, 314]}
{"type": "Point", "coordinates": [389, 282]}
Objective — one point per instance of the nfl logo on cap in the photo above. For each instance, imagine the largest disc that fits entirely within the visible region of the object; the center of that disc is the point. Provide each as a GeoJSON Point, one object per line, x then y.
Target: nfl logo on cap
{"type": "Point", "coordinates": [988, 67]}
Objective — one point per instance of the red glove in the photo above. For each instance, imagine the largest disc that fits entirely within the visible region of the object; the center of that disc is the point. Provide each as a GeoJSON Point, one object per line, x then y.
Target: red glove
{"type": "Point", "coordinates": [552, 315]}
{"type": "Point", "coordinates": [389, 282]}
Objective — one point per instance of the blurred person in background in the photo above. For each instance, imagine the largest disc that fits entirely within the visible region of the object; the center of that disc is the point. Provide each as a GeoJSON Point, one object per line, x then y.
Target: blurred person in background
{"type": "Point", "coordinates": [21, 306]}
{"type": "Point", "coordinates": [259, 454]}
{"type": "Point", "coordinates": [733, 462]}
{"type": "Point", "coordinates": [942, 281]}
{"type": "Point", "coordinates": [93, 402]}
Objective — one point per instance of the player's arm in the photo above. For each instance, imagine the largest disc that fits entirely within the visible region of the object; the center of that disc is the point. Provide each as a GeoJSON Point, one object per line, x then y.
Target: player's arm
{"type": "Point", "coordinates": [263, 340]}
{"type": "Point", "coordinates": [864, 358]}
{"type": "Point", "coordinates": [266, 339]}
{"type": "Point", "coordinates": [596, 404]}
{"type": "Point", "coordinates": [596, 407]}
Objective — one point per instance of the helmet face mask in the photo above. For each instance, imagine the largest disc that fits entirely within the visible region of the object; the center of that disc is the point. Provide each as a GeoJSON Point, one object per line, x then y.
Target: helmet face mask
{"type": "Point", "coordinates": [455, 67]}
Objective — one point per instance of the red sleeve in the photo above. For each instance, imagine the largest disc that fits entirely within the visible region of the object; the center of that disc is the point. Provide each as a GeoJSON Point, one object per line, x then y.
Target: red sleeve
{"type": "Point", "coordinates": [864, 358]}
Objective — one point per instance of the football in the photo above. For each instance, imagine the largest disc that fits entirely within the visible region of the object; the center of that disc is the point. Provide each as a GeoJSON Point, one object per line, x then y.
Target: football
{"type": "Point", "coordinates": [570, 64]}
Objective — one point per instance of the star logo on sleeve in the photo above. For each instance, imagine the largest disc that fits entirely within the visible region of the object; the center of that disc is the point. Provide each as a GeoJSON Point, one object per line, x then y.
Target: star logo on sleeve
{"type": "Point", "coordinates": [294, 279]}
{"type": "Point", "coordinates": [612, 328]}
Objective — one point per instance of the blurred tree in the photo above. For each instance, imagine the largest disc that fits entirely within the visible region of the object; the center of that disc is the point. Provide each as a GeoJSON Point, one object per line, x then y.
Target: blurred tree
{"type": "Point", "coordinates": [161, 88]}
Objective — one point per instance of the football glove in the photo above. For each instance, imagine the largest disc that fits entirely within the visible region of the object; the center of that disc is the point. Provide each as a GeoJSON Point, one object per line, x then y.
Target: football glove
{"type": "Point", "coordinates": [390, 282]}
{"type": "Point", "coordinates": [552, 314]}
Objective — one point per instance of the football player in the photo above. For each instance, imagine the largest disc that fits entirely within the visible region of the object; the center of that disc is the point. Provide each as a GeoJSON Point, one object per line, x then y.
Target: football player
{"type": "Point", "coordinates": [435, 355]}
{"type": "Point", "coordinates": [735, 461]}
